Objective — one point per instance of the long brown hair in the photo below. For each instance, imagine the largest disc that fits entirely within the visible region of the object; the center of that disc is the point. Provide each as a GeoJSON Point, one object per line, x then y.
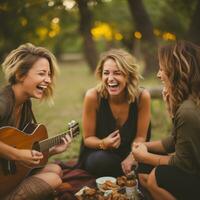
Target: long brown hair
{"type": "Point", "coordinates": [181, 64]}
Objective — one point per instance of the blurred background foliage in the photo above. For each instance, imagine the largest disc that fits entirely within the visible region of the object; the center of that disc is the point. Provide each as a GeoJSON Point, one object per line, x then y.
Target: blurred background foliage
{"type": "Point", "coordinates": [89, 27]}
{"type": "Point", "coordinates": [77, 31]}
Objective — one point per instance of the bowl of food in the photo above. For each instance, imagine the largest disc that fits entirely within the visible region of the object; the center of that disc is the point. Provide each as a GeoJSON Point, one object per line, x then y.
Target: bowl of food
{"type": "Point", "coordinates": [106, 183]}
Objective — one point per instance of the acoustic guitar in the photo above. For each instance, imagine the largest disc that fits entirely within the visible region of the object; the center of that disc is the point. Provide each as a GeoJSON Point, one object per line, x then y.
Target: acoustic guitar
{"type": "Point", "coordinates": [33, 137]}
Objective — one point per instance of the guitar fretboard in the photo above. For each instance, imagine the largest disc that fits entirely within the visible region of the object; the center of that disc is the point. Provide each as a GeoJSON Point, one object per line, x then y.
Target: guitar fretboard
{"type": "Point", "coordinates": [46, 144]}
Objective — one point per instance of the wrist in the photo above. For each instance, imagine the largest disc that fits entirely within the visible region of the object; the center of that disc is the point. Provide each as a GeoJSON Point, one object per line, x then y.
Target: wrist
{"type": "Point", "coordinates": [15, 155]}
{"type": "Point", "coordinates": [52, 151]}
{"type": "Point", "coordinates": [102, 145]}
{"type": "Point", "coordinates": [144, 157]}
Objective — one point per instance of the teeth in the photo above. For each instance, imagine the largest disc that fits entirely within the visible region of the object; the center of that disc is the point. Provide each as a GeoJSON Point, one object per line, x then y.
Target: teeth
{"type": "Point", "coordinates": [42, 87]}
{"type": "Point", "coordinates": [112, 84]}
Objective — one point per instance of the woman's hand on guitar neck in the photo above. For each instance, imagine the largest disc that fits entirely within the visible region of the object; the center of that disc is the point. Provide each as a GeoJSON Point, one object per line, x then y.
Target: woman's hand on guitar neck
{"type": "Point", "coordinates": [28, 157]}
{"type": "Point", "coordinates": [61, 147]}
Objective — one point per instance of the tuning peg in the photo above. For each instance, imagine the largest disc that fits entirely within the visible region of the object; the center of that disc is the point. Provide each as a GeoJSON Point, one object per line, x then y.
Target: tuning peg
{"type": "Point", "coordinates": [70, 125]}
{"type": "Point", "coordinates": [73, 122]}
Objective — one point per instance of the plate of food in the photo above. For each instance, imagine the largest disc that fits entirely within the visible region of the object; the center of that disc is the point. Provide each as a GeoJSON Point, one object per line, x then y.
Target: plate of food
{"type": "Point", "coordinates": [88, 193]}
{"type": "Point", "coordinates": [106, 183]}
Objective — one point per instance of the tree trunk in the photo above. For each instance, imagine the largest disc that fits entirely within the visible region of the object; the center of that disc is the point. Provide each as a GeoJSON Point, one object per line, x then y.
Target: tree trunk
{"type": "Point", "coordinates": [148, 40]}
{"type": "Point", "coordinates": [90, 51]}
{"type": "Point", "coordinates": [194, 29]}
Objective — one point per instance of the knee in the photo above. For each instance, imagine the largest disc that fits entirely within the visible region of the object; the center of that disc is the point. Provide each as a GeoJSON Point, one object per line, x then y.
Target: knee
{"type": "Point", "coordinates": [54, 168]}
{"type": "Point", "coordinates": [102, 163]}
{"type": "Point", "coordinates": [51, 178]}
{"type": "Point", "coordinates": [102, 159]}
{"type": "Point", "coordinates": [95, 160]}
{"type": "Point", "coordinates": [58, 170]}
{"type": "Point", "coordinates": [54, 180]}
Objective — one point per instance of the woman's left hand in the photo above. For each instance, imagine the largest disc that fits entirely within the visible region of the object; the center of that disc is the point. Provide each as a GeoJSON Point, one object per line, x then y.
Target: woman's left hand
{"type": "Point", "coordinates": [139, 150]}
{"type": "Point", "coordinates": [127, 164]}
{"type": "Point", "coordinates": [61, 147]}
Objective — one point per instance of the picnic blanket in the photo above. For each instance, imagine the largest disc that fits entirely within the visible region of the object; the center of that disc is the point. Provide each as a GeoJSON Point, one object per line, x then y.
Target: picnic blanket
{"type": "Point", "coordinates": [73, 180]}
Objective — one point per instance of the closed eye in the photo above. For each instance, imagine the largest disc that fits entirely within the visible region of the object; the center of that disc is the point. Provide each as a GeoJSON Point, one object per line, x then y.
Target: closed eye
{"type": "Point", "coordinates": [105, 72]}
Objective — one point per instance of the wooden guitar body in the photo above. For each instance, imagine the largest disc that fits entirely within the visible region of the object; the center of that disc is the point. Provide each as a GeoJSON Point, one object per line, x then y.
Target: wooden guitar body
{"type": "Point", "coordinates": [13, 172]}
{"type": "Point", "coordinates": [34, 136]}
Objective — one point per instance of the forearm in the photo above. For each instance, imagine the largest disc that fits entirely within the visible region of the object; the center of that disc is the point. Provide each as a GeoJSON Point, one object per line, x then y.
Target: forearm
{"type": "Point", "coordinates": [155, 159]}
{"type": "Point", "coordinates": [51, 152]}
{"type": "Point", "coordinates": [93, 142]}
{"type": "Point", "coordinates": [155, 147]}
{"type": "Point", "coordinates": [139, 139]}
{"type": "Point", "coordinates": [8, 152]}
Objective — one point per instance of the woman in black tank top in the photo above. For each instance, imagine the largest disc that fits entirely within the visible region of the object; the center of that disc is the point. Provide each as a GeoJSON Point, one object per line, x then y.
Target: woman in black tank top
{"type": "Point", "coordinates": [116, 113]}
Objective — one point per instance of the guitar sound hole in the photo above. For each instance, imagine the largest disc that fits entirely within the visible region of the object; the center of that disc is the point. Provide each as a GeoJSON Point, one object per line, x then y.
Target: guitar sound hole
{"type": "Point", "coordinates": [8, 166]}
{"type": "Point", "coordinates": [12, 167]}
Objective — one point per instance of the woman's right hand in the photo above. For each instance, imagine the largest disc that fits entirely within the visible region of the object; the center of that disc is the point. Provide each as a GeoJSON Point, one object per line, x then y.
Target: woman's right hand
{"type": "Point", "coordinates": [113, 140]}
{"type": "Point", "coordinates": [29, 157]}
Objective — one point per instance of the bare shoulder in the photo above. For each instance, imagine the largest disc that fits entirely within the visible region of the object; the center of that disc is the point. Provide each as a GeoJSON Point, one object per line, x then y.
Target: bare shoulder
{"type": "Point", "coordinates": [145, 96]}
{"type": "Point", "coordinates": [91, 94]}
{"type": "Point", "coordinates": [91, 97]}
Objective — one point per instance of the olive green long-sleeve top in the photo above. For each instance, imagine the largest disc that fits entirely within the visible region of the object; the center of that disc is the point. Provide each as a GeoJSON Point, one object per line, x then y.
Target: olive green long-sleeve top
{"type": "Point", "coordinates": [7, 102]}
{"type": "Point", "coordinates": [185, 138]}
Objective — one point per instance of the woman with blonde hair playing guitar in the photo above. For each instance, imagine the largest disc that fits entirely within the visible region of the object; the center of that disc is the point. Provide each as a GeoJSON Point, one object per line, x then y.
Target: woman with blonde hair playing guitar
{"type": "Point", "coordinates": [30, 72]}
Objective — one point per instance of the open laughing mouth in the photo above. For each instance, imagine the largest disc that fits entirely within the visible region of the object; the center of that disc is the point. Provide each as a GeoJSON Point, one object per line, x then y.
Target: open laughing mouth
{"type": "Point", "coordinates": [113, 85]}
{"type": "Point", "coordinates": [42, 87]}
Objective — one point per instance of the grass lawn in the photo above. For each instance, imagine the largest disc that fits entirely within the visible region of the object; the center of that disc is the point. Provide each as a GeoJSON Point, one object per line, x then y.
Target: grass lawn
{"type": "Point", "coordinates": [74, 79]}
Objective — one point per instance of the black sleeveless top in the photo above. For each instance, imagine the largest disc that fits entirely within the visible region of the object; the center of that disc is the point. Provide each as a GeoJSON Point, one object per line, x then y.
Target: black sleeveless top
{"type": "Point", "coordinates": [106, 124]}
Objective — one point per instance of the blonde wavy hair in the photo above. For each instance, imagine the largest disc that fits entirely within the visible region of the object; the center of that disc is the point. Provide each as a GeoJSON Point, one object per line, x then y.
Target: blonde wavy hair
{"type": "Point", "coordinates": [126, 64]}
{"type": "Point", "coordinates": [181, 64]}
{"type": "Point", "coordinates": [19, 61]}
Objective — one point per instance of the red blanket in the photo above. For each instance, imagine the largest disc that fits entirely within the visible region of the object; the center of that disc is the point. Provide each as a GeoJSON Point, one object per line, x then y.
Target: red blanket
{"type": "Point", "coordinates": [73, 181]}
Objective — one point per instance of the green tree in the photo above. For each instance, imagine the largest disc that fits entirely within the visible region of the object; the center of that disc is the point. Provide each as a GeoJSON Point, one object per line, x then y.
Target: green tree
{"type": "Point", "coordinates": [86, 19]}
{"type": "Point", "coordinates": [148, 41]}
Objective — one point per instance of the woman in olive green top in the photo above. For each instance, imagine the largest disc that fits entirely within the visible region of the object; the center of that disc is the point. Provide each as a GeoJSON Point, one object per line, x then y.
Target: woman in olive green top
{"type": "Point", "coordinates": [175, 161]}
{"type": "Point", "coordinates": [30, 72]}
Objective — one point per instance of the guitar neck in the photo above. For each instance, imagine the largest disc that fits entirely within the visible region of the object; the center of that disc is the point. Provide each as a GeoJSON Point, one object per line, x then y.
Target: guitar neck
{"type": "Point", "coordinates": [46, 144]}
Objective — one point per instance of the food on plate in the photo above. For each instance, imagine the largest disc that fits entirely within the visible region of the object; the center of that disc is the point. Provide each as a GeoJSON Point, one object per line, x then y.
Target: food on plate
{"type": "Point", "coordinates": [87, 193]}
{"type": "Point", "coordinates": [117, 196]}
{"type": "Point", "coordinates": [124, 181]}
{"type": "Point", "coordinates": [109, 188]}
{"type": "Point", "coordinates": [102, 181]}
{"type": "Point", "coordinates": [108, 185]}
{"type": "Point", "coordinates": [130, 183]}
{"type": "Point", "coordinates": [121, 181]}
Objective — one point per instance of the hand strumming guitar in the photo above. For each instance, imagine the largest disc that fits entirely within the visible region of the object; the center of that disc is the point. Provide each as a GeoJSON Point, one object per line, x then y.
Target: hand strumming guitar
{"type": "Point", "coordinates": [28, 157]}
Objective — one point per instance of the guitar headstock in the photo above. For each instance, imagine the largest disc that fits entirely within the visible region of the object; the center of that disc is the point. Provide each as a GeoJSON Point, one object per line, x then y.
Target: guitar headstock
{"type": "Point", "coordinates": [73, 128]}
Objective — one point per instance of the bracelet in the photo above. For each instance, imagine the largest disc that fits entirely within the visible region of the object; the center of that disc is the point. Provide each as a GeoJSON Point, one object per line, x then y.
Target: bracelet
{"type": "Point", "coordinates": [102, 145]}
